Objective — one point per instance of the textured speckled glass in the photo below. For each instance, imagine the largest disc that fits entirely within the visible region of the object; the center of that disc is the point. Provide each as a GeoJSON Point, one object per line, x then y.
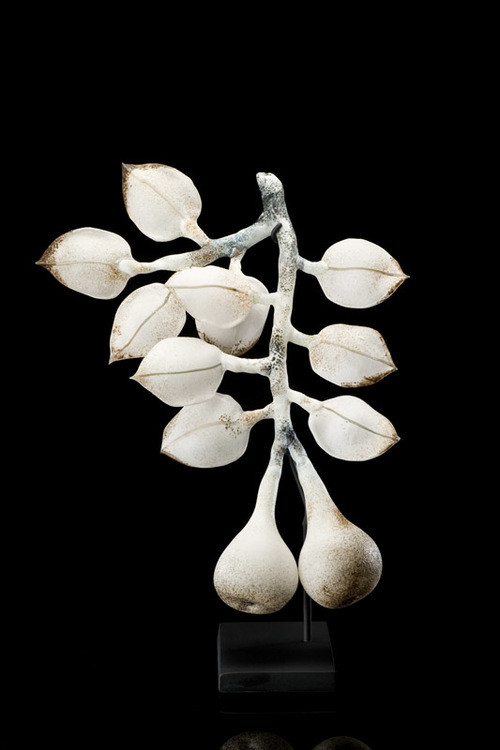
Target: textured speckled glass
{"type": "Point", "coordinates": [339, 563]}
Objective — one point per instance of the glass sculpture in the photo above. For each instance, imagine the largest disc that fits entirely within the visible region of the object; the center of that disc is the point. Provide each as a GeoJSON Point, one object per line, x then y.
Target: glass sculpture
{"type": "Point", "coordinates": [339, 563]}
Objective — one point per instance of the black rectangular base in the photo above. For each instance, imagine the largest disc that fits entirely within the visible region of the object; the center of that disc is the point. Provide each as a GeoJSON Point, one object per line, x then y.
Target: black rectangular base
{"type": "Point", "coordinates": [266, 657]}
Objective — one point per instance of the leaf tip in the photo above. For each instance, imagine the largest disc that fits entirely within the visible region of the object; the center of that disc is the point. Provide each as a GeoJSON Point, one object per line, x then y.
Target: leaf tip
{"type": "Point", "coordinates": [43, 260]}
{"type": "Point", "coordinates": [164, 450]}
{"type": "Point", "coordinates": [391, 367]}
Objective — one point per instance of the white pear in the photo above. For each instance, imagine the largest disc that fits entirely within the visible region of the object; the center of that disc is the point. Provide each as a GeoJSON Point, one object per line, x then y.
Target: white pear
{"type": "Point", "coordinates": [257, 572]}
{"type": "Point", "coordinates": [339, 563]}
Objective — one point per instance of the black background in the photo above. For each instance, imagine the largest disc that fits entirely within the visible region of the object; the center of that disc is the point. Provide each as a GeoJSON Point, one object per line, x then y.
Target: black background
{"type": "Point", "coordinates": [111, 615]}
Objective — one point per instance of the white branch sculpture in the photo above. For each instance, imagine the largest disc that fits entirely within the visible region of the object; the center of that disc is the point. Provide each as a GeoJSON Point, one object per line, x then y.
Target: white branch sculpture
{"type": "Point", "coordinates": [339, 563]}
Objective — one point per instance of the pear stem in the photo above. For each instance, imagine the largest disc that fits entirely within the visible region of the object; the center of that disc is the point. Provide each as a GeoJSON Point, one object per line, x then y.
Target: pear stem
{"type": "Point", "coordinates": [306, 599]}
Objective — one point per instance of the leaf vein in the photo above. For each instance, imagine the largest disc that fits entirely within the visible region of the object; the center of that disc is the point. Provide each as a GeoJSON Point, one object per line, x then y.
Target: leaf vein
{"type": "Point", "coordinates": [363, 268]}
{"type": "Point", "coordinates": [358, 424]}
{"type": "Point", "coordinates": [144, 322]}
{"type": "Point", "coordinates": [178, 372]}
{"type": "Point", "coordinates": [356, 351]}
{"type": "Point", "coordinates": [207, 286]}
{"type": "Point", "coordinates": [218, 423]}
{"type": "Point", "coordinates": [77, 263]}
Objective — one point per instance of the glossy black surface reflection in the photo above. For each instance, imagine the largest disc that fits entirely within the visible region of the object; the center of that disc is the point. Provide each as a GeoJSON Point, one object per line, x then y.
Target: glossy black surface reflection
{"type": "Point", "coordinates": [267, 657]}
{"type": "Point", "coordinates": [256, 741]}
{"type": "Point", "coordinates": [268, 741]}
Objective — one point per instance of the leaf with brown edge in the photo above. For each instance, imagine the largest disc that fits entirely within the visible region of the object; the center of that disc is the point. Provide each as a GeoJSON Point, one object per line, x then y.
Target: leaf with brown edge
{"type": "Point", "coordinates": [350, 356]}
{"type": "Point", "coordinates": [181, 370]}
{"type": "Point", "coordinates": [348, 428]}
{"type": "Point", "coordinates": [206, 435]}
{"type": "Point", "coordinates": [213, 295]}
{"type": "Point", "coordinates": [162, 202]}
{"type": "Point", "coordinates": [241, 337]}
{"type": "Point", "coordinates": [148, 315]}
{"type": "Point", "coordinates": [358, 274]}
{"type": "Point", "coordinates": [87, 260]}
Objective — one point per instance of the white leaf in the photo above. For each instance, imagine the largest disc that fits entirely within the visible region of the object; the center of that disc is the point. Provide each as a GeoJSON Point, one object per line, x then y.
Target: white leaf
{"type": "Point", "coordinates": [148, 315]}
{"type": "Point", "coordinates": [348, 428]}
{"type": "Point", "coordinates": [162, 202]}
{"type": "Point", "coordinates": [87, 260]}
{"type": "Point", "coordinates": [350, 356]}
{"type": "Point", "coordinates": [213, 295]}
{"type": "Point", "coordinates": [359, 274]}
{"type": "Point", "coordinates": [181, 371]}
{"type": "Point", "coordinates": [241, 337]}
{"type": "Point", "coordinates": [212, 433]}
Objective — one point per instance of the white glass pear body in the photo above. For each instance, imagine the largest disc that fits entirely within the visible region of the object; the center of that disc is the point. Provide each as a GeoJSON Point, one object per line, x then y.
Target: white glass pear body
{"type": "Point", "coordinates": [339, 563]}
{"type": "Point", "coordinates": [257, 572]}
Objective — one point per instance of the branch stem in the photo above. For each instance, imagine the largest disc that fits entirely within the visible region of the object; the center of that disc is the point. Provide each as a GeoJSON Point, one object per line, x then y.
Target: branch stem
{"type": "Point", "coordinates": [258, 366]}
{"type": "Point", "coordinates": [274, 199]}
{"type": "Point", "coordinates": [306, 402]}
{"type": "Point", "coordinates": [299, 338]}
{"type": "Point", "coordinates": [257, 415]}
{"type": "Point", "coordinates": [231, 246]}
{"type": "Point", "coordinates": [314, 268]}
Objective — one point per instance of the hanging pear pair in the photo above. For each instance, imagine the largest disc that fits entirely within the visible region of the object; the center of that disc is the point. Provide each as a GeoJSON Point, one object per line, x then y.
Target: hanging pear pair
{"type": "Point", "coordinates": [338, 565]}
